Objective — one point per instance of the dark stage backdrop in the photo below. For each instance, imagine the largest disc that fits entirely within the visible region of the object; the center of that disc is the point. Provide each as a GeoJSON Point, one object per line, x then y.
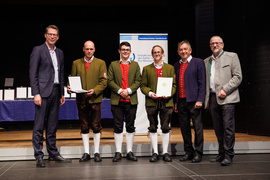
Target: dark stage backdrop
{"type": "Point", "coordinates": [22, 28]}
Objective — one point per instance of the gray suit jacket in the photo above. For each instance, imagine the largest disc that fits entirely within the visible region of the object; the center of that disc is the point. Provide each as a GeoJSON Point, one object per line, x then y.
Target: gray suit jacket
{"type": "Point", "coordinates": [228, 77]}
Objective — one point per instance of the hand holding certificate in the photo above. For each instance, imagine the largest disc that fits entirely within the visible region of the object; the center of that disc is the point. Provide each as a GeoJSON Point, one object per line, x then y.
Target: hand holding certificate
{"type": "Point", "coordinates": [164, 86]}
{"type": "Point", "coordinates": [76, 84]}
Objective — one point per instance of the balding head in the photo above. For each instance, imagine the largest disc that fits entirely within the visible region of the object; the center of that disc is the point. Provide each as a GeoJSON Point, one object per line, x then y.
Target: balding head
{"type": "Point", "coordinates": [89, 49]}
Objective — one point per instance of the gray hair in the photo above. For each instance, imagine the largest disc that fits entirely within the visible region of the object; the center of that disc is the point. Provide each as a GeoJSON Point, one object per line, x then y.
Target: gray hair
{"type": "Point", "coordinates": [184, 42]}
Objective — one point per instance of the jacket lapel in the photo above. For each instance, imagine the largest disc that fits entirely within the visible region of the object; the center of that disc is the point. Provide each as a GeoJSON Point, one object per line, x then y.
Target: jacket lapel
{"type": "Point", "coordinates": [46, 50]}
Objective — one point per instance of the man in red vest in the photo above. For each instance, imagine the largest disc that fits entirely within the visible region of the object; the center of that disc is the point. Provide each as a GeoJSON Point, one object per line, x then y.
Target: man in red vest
{"type": "Point", "coordinates": [124, 78]}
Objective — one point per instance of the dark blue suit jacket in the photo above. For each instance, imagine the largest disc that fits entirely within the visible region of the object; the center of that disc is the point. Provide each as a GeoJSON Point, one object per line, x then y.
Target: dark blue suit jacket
{"type": "Point", "coordinates": [194, 79]}
{"type": "Point", "coordinates": [41, 71]}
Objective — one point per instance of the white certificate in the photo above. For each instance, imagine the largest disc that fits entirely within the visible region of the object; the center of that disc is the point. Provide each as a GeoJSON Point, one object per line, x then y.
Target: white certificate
{"type": "Point", "coordinates": [164, 86]}
{"type": "Point", "coordinates": [9, 94]}
{"type": "Point", "coordinates": [76, 84]}
{"type": "Point", "coordinates": [29, 93]}
{"type": "Point", "coordinates": [21, 92]}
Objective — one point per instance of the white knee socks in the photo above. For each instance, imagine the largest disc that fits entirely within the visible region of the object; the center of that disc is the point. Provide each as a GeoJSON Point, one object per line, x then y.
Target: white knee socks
{"type": "Point", "coordinates": [165, 142]}
{"type": "Point", "coordinates": [96, 142]}
{"type": "Point", "coordinates": [118, 138]}
{"type": "Point", "coordinates": [129, 140]}
{"type": "Point", "coordinates": [85, 138]}
{"type": "Point", "coordinates": [154, 142]}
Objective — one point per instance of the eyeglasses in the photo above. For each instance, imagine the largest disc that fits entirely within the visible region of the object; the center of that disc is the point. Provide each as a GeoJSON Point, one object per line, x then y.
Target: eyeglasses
{"type": "Point", "coordinates": [125, 50]}
{"type": "Point", "coordinates": [157, 52]}
{"type": "Point", "coordinates": [52, 35]}
{"type": "Point", "coordinates": [215, 43]}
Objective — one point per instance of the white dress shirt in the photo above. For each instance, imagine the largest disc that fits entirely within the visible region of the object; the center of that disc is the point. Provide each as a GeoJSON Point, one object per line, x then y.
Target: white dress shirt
{"type": "Point", "coordinates": [55, 64]}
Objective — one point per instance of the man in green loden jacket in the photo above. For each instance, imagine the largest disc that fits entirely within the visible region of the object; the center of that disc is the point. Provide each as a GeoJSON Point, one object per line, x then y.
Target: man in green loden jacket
{"type": "Point", "coordinates": [154, 104]}
{"type": "Point", "coordinates": [93, 73]}
{"type": "Point", "coordinates": [124, 78]}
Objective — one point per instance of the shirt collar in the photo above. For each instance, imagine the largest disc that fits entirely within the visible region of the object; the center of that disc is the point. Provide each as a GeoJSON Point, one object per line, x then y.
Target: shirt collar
{"type": "Point", "coordinates": [49, 47]}
{"type": "Point", "coordinates": [159, 66]}
{"type": "Point", "coordinates": [188, 60]}
{"type": "Point", "coordinates": [213, 57]}
{"type": "Point", "coordinates": [89, 60]}
{"type": "Point", "coordinates": [127, 62]}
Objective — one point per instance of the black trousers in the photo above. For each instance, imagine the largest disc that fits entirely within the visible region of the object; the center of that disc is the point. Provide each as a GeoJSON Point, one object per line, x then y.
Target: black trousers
{"type": "Point", "coordinates": [224, 125]}
{"type": "Point", "coordinates": [124, 112]}
{"type": "Point", "coordinates": [48, 111]}
{"type": "Point", "coordinates": [186, 111]}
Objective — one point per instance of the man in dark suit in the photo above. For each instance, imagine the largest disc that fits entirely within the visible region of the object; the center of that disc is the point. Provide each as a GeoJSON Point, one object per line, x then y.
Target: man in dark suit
{"type": "Point", "coordinates": [46, 74]}
{"type": "Point", "coordinates": [188, 100]}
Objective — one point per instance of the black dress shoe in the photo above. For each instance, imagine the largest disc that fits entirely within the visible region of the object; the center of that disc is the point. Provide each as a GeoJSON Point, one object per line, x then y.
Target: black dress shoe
{"type": "Point", "coordinates": [40, 162]}
{"type": "Point", "coordinates": [219, 158]}
{"type": "Point", "coordinates": [226, 162]}
{"type": "Point", "coordinates": [154, 158]}
{"type": "Point", "coordinates": [59, 159]}
{"type": "Point", "coordinates": [167, 157]}
{"type": "Point", "coordinates": [85, 157]}
{"type": "Point", "coordinates": [117, 157]}
{"type": "Point", "coordinates": [97, 157]}
{"type": "Point", "coordinates": [197, 158]}
{"type": "Point", "coordinates": [186, 157]}
{"type": "Point", "coordinates": [131, 156]}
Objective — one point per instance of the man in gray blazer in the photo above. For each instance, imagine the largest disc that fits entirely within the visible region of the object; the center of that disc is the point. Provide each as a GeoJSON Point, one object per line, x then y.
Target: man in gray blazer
{"type": "Point", "coordinates": [46, 72]}
{"type": "Point", "coordinates": [223, 76]}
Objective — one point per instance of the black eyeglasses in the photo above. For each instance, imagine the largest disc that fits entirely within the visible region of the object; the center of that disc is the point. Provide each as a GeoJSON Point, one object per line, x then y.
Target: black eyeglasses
{"type": "Point", "coordinates": [215, 43]}
{"type": "Point", "coordinates": [125, 50]}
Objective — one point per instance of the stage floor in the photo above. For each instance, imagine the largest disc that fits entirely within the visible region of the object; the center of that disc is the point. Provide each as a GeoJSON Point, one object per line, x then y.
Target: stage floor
{"type": "Point", "coordinates": [247, 166]}
{"type": "Point", "coordinates": [17, 145]}
{"type": "Point", "coordinates": [72, 137]}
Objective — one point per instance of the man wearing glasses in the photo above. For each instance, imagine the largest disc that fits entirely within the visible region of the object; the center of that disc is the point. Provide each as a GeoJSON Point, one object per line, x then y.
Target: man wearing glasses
{"type": "Point", "coordinates": [223, 76]}
{"type": "Point", "coordinates": [158, 105]}
{"type": "Point", "coordinates": [93, 73]}
{"type": "Point", "coordinates": [124, 78]}
{"type": "Point", "coordinates": [46, 74]}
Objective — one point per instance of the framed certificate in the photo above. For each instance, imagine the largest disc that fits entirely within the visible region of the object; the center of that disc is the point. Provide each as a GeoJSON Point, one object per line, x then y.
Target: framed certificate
{"type": "Point", "coordinates": [164, 86]}
{"type": "Point", "coordinates": [76, 84]}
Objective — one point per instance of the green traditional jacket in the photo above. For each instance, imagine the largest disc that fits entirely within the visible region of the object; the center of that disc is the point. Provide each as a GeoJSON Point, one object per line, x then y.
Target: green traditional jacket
{"type": "Point", "coordinates": [95, 78]}
{"type": "Point", "coordinates": [115, 81]}
{"type": "Point", "coordinates": [149, 83]}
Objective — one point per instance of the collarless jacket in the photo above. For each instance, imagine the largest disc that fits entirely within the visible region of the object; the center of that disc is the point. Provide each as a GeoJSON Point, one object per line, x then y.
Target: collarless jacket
{"type": "Point", "coordinates": [194, 79]}
{"type": "Point", "coordinates": [95, 78]}
{"type": "Point", "coordinates": [115, 81]}
{"type": "Point", "coordinates": [149, 83]}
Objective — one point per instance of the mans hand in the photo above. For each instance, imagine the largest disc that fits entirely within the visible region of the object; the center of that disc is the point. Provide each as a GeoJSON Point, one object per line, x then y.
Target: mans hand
{"type": "Point", "coordinates": [62, 100]}
{"type": "Point", "coordinates": [222, 94]}
{"type": "Point", "coordinates": [164, 97]}
{"type": "Point", "coordinates": [37, 100]}
{"type": "Point", "coordinates": [91, 92]}
{"type": "Point", "coordinates": [124, 93]}
{"type": "Point", "coordinates": [198, 105]}
{"type": "Point", "coordinates": [68, 89]}
{"type": "Point", "coordinates": [154, 96]}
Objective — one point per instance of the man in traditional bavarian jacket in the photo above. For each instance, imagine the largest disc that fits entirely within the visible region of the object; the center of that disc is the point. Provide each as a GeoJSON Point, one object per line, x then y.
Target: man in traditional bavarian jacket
{"type": "Point", "coordinates": [93, 73]}
{"type": "Point", "coordinates": [124, 78]}
{"type": "Point", "coordinates": [158, 105]}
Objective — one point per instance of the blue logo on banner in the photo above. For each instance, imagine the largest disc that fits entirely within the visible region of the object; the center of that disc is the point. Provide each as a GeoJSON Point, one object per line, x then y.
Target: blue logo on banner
{"type": "Point", "coordinates": [132, 58]}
